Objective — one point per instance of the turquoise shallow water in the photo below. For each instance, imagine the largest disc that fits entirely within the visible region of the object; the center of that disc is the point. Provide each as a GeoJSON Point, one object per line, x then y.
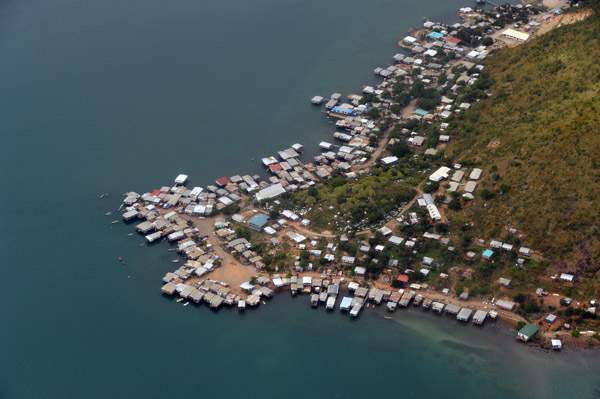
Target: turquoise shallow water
{"type": "Point", "coordinates": [116, 95]}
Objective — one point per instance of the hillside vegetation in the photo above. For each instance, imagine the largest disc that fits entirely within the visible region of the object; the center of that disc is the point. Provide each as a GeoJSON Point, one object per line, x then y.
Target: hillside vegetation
{"type": "Point", "coordinates": [537, 137]}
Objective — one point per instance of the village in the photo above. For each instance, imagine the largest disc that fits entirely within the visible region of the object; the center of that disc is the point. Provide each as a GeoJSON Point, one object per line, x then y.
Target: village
{"type": "Point", "coordinates": [245, 238]}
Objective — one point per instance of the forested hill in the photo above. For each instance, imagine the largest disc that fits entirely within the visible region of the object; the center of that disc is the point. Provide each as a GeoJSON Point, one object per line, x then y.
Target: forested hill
{"type": "Point", "coordinates": [537, 137]}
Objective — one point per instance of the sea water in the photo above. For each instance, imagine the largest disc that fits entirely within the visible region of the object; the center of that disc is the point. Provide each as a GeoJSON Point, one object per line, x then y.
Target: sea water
{"type": "Point", "coordinates": [110, 96]}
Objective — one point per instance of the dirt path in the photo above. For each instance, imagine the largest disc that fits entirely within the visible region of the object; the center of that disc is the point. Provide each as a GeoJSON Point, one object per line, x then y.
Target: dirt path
{"type": "Point", "coordinates": [231, 271]}
{"type": "Point", "coordinates": [383, 142]}
{"type": "Point", "coordinates": [309, 233]}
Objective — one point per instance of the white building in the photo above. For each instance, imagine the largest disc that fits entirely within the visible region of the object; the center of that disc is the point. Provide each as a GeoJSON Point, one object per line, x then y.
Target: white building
{"type": "Point", "coordinates": [434, 213]}
{"type": "Point", "coordinates": [440, 174]}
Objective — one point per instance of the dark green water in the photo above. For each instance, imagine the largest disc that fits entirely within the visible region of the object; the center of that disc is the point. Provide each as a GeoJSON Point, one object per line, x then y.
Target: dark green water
{"type": "Point", "coordinates": [109, 96]}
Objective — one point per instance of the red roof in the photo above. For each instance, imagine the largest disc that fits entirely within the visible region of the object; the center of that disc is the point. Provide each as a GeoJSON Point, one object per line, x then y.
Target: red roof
{"type": "Point", "coordinates": [275, 167]}
{"type": "Point", "coordinates": [155, 193]}
{"type": "Point", "coordinates": [222, 181]}
{"type": "Point", "coordinates": [403, 278]}
{"type": "Point", "coordinates": [452, 39]}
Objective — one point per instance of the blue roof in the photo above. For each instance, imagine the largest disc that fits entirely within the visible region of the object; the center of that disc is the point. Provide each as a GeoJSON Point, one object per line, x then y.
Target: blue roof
{"type": "Point", "coordinates": [421, 112]}
{"type": "Point", "coordinates": [341, 110]}
{"type": "Point", "coordinates": [436, 35]}
{"type": "Point", "coordinates": [259, 220]}
{"type": "Point", "coordinates": [488, 253]}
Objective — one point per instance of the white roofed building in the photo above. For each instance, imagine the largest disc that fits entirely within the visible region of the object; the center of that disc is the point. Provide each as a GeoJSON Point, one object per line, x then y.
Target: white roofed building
{"type": "Point", "coordinates": [440, 174]}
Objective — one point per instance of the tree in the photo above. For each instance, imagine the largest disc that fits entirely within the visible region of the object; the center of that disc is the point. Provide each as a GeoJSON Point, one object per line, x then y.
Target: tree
{"type": "Point", "coordinates": [569, 311]}
{"type": "Point", "coordinates": [443, 78]}
{"type": "Point", "coordinates": [519, 298]}
{"type": "Point", "coordinates": [455, 204]}
{"type": "Point", "coordinates": [487, 194]}
{"type": "Point", "coordinates": [231, 209]}
{"type": "Point", "coordinates": [373, 113]}
{"type": "Point", "coordinates": [487, 41]}
{"type": "Point", "coordinates": [431, 186]}
{"type": "Point", "coordinates": [242, 232]}
{"type": "Point", "coordinates": [400, 149]}
{"type": "Point", "coordinates": [441, 228]}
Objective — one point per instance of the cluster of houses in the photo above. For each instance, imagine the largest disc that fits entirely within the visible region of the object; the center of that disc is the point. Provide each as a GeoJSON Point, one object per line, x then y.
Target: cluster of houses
{"type": "Point", "coordinates": [426, 59]}
{"type": "Point", "coordinates": [208, 291]}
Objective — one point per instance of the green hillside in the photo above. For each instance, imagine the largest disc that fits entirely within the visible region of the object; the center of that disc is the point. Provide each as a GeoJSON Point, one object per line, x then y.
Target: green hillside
{"type": "Point", "coordinates": [537, 137]}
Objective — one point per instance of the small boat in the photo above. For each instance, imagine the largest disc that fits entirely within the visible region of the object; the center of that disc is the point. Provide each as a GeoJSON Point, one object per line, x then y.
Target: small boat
{"type": "Point", "coordinates": [175, 261]}
{"type": "Point", "coordinates": [252, 159]}
{"type": "Point", "coordinates": [115, 222]}
{"type": "Point", "coordinates": [368, 305]}
{"type": "Point", "coordinates": [103, 195]}
{"type": "Point", "coordinates": [263, 302]}
{"type": "Point", "coordinates": [185, 304]}
{"type": "Point", "coordinates": [172, 249]}
{"type": "Point", "coordinates": [108, 214]}
{"type": "Point", "coordinates": [130, 234]}
{"type": "Point", "coordinates": [387, 317]}
{"type": "Point", "coordinates": [142, 244]}
{"type": "Point", "coordinates": [179, 300]}
{"type": "Point", "coordinates": [120, 259]}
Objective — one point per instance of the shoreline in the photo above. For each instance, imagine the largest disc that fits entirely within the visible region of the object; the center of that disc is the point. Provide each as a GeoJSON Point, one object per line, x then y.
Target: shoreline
{"type": "Point", "coordinates": [224, 266]}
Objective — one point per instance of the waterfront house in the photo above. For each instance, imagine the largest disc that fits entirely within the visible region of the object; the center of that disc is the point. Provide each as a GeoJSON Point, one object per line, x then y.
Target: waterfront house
{"type": "Point", "coordinates": [527, 332]}
{"type": "Point", "coordinates": [410, 40]}
{"type": "Point", "coordinates": [464, 314]}
{"type": "Point", "coordinates": [180, 179]}
{"type": "Point", "coordinates": [507, 305]}
{"type": "Point", "coordinates": [346, 303]}
{"type": "Point", "coordinates": [452, 309]}
{"type": "Point", "coordinates": [438, 307]}
{"type": "Point", "coordinates": [556, 344]}
{"type": "Point", "coordinates": [479, 317]}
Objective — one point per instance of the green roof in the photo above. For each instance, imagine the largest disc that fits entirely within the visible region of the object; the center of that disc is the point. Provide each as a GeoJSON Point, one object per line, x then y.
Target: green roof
{"type": "Point", "coordinates": [529, 330]}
